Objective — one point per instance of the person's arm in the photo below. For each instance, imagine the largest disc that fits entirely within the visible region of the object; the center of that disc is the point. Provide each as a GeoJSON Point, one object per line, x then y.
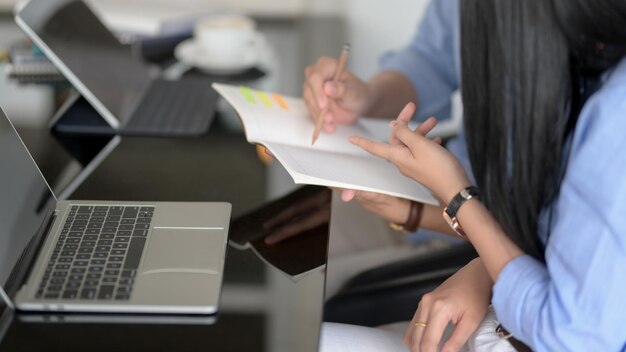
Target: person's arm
{"type": "Point", "coordinates": [576, 298]}
{"type": "Point", "coordinates": [462, 299]}
{"type": "Point", "coordinates": [424, 72]}
{"type": "Point", "coordinates": [391, 91]}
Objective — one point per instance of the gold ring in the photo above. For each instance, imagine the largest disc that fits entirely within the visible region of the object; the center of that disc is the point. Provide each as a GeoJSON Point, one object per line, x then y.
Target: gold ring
{"type": "Point", "coordinates": [421, 324]}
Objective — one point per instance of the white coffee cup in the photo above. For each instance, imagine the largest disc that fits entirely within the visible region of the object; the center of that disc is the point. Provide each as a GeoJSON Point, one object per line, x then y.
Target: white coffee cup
{"type": "Point", "coordinates": [227, 38]}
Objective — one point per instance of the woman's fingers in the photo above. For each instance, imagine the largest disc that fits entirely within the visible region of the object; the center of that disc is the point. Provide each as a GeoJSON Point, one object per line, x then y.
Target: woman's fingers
{"type": "Point", "coordinates": [409, 138]}
{"type": "Point", "coordinates": [426, 126]}
{"type": "Point", "coordinates": [417, 325]}
{"type": "Point", "coordinates": [403, 118]}
{"type": "Point", "coordinates": [381, 150]}
{"type": "Point", "coordinates": [461, 333]}
{"type": "Point", "coordinates": [347, 194]}
{"type": "Point", "coordinates": [438, 320]}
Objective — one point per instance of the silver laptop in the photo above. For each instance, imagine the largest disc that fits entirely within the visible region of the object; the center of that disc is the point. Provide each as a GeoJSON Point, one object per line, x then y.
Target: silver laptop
{"type": "Point", "coordinates": [103, 257]}
{"type": "Point", "coordinates": [123, 89]}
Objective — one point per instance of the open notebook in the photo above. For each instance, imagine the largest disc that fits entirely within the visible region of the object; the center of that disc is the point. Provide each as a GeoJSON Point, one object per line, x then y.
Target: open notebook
{"type": "Point", "coordinates": [283, 125]}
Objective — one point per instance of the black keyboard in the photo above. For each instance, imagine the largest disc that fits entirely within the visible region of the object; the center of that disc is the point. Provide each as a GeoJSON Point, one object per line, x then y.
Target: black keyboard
{"type": "Point", "coordinates": [178, 107]}
{"type": "Point", "coordinates": [97, 254]}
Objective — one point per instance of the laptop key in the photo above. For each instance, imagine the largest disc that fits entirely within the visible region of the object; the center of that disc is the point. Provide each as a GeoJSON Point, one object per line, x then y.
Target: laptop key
{"type": "Point", "coordinates": [130, 212]}
{"type": "Point", "coordinates": [85, 209]}
{"type": "Point", "coordinates": [70, 294]}
{"type": "Point", "coordinates": [128, 274]}
{"type": "Point", "coordinates": [111, 272]}
{"type": "Point", "coordinates": [105, 292]}
{"type": "Point", "coordinates": [75, 277]}
{"type": "Point", "coordinates": [88, 293]}
{"type": "Point", "coordinates": [92, 283]}
{"type": "Point", "coordinates": [109, 280]}
{"type": "Point", "coordinates": [55, 288]}
{"type": "Point", "coordinates": [73, 285]}
{"type": "Point", "coordinates": [116, 211]}
{"type": "Point", "coordinates": [135, 249]}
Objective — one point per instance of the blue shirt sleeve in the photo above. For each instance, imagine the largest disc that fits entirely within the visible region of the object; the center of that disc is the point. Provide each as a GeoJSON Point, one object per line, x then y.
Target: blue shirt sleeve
{"type": "Point", "coordinates": [431, 60]}
{"type": "Point", "coordinates": [576, 300]}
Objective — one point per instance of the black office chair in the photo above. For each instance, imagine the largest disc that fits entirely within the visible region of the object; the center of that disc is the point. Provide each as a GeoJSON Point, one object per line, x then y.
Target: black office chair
{"type": "Point", "coordinates": [390, 293]}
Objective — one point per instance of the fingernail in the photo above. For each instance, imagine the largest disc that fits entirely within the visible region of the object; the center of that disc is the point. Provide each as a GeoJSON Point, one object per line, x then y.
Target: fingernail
{"type": "Point", "coordinates": [393, 124]}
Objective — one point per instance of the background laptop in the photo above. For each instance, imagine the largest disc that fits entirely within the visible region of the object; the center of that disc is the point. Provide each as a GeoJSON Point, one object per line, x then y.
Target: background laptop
{"type": "Point", "coordinates": [94, 256]}
{"type": "Point", "coordinates": [123, 89]}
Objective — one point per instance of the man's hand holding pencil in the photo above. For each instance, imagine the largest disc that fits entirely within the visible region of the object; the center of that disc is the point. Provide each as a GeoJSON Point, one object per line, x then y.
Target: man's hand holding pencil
{"type": "Point", "coordinates": [333, 94]}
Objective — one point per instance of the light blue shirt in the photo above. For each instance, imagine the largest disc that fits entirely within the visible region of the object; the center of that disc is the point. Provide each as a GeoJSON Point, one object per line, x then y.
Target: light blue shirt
{"type": "Point", "coordinates": [576, 301]}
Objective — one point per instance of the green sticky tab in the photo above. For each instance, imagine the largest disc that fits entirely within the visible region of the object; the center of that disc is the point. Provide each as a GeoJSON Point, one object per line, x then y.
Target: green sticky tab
{"type": "Point", "coordinates": [248, 94]}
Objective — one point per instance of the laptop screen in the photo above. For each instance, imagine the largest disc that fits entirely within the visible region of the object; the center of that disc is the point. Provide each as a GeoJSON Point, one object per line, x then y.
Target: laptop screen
{"type": "Point", "coordinates": [25, 199]}
{"type": "Point", "coordinates": [89, 52]}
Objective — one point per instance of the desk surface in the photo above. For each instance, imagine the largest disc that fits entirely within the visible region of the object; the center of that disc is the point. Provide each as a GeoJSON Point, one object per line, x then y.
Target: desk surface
{"type": "Point", "coordinates": [261, 309]}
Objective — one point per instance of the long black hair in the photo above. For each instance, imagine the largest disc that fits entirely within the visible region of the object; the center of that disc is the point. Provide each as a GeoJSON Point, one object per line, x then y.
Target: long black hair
{"type": "Point", "coordinates": [519, 63]}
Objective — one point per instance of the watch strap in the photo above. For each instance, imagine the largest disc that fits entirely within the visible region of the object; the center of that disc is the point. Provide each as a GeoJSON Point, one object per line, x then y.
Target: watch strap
{"type": "Point", "coordinates": [464, 195]}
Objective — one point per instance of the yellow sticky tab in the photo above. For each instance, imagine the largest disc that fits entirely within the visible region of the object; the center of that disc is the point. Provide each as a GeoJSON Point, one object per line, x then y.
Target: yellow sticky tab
{"type": "Point", "coordinates": [248, 94]}
{"type": "Point", "coordinates": [265, 99]}
{"type": "Point", "coordinates": [280, 101]}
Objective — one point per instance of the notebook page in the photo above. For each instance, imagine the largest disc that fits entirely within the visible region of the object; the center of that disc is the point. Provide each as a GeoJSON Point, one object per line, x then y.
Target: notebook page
{"type": "Point", "coordinates": [360, 172]}
{"type": "Point", "coordinates": [271, 117]}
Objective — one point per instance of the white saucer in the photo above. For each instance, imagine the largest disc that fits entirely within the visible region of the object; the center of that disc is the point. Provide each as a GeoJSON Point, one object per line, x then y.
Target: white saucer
{"type": "Point", "coordinates": [190, 53]}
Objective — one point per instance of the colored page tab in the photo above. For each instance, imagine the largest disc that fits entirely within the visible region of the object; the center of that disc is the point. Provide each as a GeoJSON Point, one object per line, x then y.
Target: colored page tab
{"type": "Point", "coordinates": [280, 101]}
{"type": "Point", "coordinates": [265, 99]}
{"type": "Point", "coordinates": [248, 94]}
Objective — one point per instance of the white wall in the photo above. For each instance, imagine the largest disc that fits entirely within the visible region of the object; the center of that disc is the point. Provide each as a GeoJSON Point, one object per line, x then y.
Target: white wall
{"type": "Point", "coordinates": [375, 26]}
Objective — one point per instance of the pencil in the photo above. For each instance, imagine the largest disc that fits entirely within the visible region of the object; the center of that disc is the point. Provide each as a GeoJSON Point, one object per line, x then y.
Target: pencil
{"type": "Point", "coordinates": [343, 58]}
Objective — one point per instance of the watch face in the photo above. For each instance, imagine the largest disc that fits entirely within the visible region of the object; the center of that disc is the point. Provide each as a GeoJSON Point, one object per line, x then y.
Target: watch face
{"type": "Point", "coordinates": [454, 224]}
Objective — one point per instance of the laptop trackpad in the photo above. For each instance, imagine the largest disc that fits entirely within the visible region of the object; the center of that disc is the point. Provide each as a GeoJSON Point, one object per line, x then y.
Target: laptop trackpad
{"type": "Point", "coordinates": [184, 250]}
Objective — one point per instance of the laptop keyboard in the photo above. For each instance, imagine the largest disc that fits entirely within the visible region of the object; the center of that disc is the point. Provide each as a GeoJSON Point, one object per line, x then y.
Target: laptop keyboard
{"type": "Point", "coordinates": [97, 254]}
{"type": "Point", "coordinates": [180, 107]}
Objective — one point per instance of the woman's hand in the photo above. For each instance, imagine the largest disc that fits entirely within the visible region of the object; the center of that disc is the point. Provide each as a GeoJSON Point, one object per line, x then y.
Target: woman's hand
{"type": "Point", "coordinates": [419, 158]}
{"type": "Point", "coordinates": [462, 300]}
{"type": "Point", "coordinates": [390, 208]}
